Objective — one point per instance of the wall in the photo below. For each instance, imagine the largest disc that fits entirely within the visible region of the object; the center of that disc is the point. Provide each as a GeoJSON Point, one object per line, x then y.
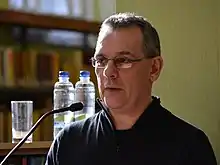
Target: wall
{"type": "Point", "coordinates": [4, 4]}
{"type": "Point", "coordinates": [189, 84]}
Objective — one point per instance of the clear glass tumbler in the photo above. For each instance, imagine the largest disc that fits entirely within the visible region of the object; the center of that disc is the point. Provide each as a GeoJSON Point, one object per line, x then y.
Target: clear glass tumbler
{"type": "Point", "coordinates": [22, 120]}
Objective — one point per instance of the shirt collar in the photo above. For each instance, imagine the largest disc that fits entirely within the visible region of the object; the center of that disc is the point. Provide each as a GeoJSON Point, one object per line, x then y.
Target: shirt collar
{"type": "Point", "coordinates": [147, 118]}
{"type": "Point", "coordinates": [150, 115]}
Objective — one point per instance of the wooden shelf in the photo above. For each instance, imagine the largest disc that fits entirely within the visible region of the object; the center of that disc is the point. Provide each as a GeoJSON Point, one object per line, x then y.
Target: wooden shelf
{"type": "Point", "coordinates": [47, 21]}
{"type": "Point", "coordinates": [35, 148]}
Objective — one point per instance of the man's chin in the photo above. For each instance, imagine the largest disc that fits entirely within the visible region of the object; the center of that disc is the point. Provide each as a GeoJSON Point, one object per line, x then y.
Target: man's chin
{"type": "Point", "coordinates": [113, 103]}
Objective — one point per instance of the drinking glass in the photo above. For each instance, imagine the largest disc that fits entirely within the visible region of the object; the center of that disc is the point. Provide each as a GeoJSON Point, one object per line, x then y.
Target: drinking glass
{"type": "Point", "coordinates": [22, 120]}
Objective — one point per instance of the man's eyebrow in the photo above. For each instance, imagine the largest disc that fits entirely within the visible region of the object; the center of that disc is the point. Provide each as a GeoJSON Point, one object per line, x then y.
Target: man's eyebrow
{"type": "Point", "coordinates": [125, 53]}
{"type": "Point", "coordinates": [100, 55]}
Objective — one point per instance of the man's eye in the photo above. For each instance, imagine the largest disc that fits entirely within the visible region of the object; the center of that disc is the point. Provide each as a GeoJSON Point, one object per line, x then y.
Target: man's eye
{"type": "Point", "coordinates": [100, 61]}
{"type": "Point", "coordinates": [122, 60]}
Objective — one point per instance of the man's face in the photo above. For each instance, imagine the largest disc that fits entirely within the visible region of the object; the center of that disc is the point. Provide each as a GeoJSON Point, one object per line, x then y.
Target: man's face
{"type": "Point", "coordinates": [124, 87]}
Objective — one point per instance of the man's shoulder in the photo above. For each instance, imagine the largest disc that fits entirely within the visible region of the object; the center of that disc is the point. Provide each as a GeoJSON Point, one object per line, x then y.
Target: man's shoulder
{"type": "Point", "coordinates": [88, 121]}
{"type": "Point", "coordinates": [195, 141]}
{"type": "Point", "coordinates": [84, 125]}
{"type": "Point", "coordinates": [73, 140]}
{"type": "Point", "coordinates": [78, 132]}
{"type": "Point", "coordinates": [165, 119]}
{"type": "Point", "coordinates": [180, 126]}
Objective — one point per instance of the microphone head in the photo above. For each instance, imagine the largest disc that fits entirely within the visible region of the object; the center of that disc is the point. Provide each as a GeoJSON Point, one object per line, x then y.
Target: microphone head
{"type": "Point", "coordinates": [76, 106]}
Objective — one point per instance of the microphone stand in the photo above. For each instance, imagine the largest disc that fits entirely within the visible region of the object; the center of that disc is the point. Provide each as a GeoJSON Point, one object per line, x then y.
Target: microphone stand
{"type": "Point", "coordinates": [33, 129]}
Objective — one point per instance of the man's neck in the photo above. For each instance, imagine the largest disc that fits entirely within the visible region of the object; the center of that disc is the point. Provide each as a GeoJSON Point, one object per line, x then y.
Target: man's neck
{"type": "Point", "coordinates": [125, 119]}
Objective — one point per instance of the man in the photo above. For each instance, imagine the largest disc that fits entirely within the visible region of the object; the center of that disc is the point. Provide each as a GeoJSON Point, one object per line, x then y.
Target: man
{"type": "Point", "coordinates": [132, 128]}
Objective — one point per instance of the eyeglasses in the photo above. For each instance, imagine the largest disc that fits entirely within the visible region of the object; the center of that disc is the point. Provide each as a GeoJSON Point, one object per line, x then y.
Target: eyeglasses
{"type": "Point", "coordinates": [120, 62]}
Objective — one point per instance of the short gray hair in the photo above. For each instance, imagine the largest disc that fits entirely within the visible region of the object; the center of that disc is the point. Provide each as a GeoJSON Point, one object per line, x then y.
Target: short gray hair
{"type": "Point", "coordinates": [151, 39]}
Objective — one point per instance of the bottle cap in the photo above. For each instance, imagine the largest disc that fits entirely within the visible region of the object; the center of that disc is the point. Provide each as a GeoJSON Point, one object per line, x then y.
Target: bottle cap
{"type": "Point", "coordinates": [63, 74]}
{"type": "Point", "coordinates": [84, 73]}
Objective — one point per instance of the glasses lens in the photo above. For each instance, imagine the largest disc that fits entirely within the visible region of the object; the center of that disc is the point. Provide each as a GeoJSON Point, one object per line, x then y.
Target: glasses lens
{"type": "Point", "coordinates": [124, 65]}
{"type": "Point", "coordinates": [119, 62]}
{"type": "Point", "coordinates": [122, 62]}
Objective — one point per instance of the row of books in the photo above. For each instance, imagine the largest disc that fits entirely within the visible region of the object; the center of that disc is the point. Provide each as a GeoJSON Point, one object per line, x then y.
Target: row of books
{"type": "Point", "coordinates": [26, 160]}
{"type": "Point", "coordinates": [34, 68]}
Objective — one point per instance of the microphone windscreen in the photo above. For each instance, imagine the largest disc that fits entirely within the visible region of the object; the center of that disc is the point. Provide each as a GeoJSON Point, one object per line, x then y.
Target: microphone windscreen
{"type": "Point", "coordinates": [76, 106]}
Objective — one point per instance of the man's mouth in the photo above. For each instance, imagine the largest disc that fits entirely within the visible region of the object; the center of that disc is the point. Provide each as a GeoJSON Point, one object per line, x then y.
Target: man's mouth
{"type": "Point", "coordinates": [112, 89]}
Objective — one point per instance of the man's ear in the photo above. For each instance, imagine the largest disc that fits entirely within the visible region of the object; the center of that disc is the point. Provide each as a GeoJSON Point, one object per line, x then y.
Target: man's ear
{"type": "Point", "coordinates": [156, 67]}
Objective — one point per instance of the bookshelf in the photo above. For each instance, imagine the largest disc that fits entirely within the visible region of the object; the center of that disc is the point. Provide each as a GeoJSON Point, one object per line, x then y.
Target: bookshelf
{"type": "Point", "coordinates": [47, 21]}
{"type": "Point", "coordinates": [30, 55]}
{"type": "Point", "coordinates": [32, 153]}
{"type": "Point", "coordinates": [35, 148]}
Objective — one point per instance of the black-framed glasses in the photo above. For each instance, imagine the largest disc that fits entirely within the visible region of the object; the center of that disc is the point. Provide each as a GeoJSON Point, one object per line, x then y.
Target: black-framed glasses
{"type": "Point", "coordinates": [119, 61]}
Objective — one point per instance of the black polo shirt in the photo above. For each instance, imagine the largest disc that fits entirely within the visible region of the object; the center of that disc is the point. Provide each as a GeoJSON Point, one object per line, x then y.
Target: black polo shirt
{"type": "Point", "coordinates": [157, 138]}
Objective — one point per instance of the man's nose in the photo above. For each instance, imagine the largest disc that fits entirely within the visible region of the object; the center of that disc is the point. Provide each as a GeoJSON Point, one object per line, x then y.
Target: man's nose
{"type": "Point", "coordinates": [110, 70]}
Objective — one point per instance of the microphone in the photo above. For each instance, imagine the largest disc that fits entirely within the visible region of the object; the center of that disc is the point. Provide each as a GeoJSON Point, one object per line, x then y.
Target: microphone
{"type": "Point", "coordinates": [73, 107]}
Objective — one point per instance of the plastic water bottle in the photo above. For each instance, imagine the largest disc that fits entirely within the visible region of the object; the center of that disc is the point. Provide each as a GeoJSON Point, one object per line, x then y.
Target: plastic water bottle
{"type": "Point", "coordinates": [85, 92]}
{"type": "Point", "coordinates": [63, 97]}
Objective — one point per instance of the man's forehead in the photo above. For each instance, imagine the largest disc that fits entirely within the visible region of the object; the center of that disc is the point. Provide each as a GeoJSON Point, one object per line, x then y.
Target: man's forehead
{"type": "Point", "coordinates": [118, 40]}
{"type": "Point", "coordinates": [101, 38]}
{"type": "Point", "coordinates": [105, 31]}
{"type": "Point", "coordinates": [128, 35]}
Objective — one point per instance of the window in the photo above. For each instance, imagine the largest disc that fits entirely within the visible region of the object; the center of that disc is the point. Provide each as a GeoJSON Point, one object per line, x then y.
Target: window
{"type": "Point", "coordinates": [73, 8]}
{"type": "Point", "coordinates": [69, 8]}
